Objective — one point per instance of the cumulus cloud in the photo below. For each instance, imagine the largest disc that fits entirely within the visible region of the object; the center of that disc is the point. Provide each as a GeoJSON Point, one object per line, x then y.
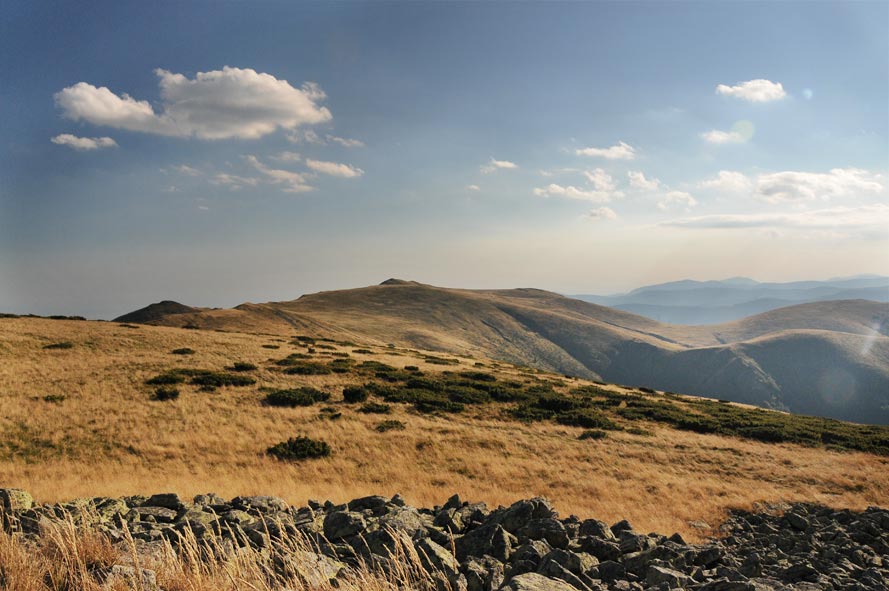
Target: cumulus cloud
{"type": "Point", "coordinates": [186, 170]}
{"type": "Point", "coordinates": [754, 91]}
{"type": "Point", "coordinates": [495, 165]}
{"type": "Point", "coordinates": [290, 182]}
{"type": "Point", "coordinates": [715, 136]}
{"type": "Point", "coordinates": [809, 186]}
{"type": "Point", "coordinates": [220, 104]}
{"type": "Point", "coordinates": [473, 188]}
{"type": "Point", "coordinates": [601, 213]}
{"type": "Point", "coordinates": [599, 179]}
{"type": "Point", "coordinates": [621, 151]}
{"type": "Point", "coordinates": [676, 198]}
{"type": "Point", "coordinates": [233, 181]}
{"type": "Point", "coordinates": [334, 169]}
{"type": "Point", "coordinates": [572, 192]}
{"type": "Point", "coordinates": [638, 181]}
{"type": "Point", "coordinates": [870, 220]}
{"type": "Point", "coordinates": [728, 181]}
{"type": "Point", "coordinates": [345, 141]}
{"type": "Point", "coordinates": [83, 143]}
{"type": "Point", "coordinates": [287, 157]}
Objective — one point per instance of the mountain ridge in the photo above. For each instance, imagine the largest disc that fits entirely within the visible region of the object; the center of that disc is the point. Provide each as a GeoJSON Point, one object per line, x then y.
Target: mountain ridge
{"type": "Point", "coordinates": [840, 347]}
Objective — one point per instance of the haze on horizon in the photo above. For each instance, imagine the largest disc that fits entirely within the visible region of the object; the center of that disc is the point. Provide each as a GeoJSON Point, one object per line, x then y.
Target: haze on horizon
{"type": "Point", "coordinates": [216, 154]}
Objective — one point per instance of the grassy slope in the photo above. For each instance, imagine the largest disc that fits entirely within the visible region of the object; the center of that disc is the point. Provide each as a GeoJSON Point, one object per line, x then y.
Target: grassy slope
{"type": "Point", "coordinates": [108, 438]}
{"type": "Point", "coordinates": [569, 336]}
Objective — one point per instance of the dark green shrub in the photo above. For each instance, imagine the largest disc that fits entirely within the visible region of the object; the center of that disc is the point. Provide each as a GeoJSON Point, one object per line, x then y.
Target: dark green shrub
{"type": "Point", "coordinates": [308, 369]}
{"type": "Point", "coordinates": [166, 379]}
{"type": "Point", "coordinates": [478, 376]}
{"type": "Point", "coordinates": [593, 434]}
{"type": "Point", "coordinates": [390, 425]}
{"type": "Point", "coordinates": [439, 360]}
{"type": "Point", "coordinates": [411, 368]}
{"type": "Point", "coordinates": [638, 431]}
{"type": "Point", "coordinates": [375, 408]}
{"type": "Point", "coordinates": [55, 398]}
{"type": "Point", "coordinates": [292, 359]}
{"type": "Point", "coordinates": [322, 346]}
{"type": "Point", "coordinates": [363, 351]}
{"type": "Point", "coordinates": [64, 345]}
{"type": "Point", "coordinates": [218, 379]}
{"type": "Point", "coordinates": [304, 396]}
{"type": "Point", "coordinates": [646, 390]}
{"type": "Point", "coordinates": [162, 394]}
{"type": "Point", "coordinates": [354, 394]}
{"type": "Point", "coordinates": [271, 346]}
{"type": "Point", "coordinates": [183, 351]}
{"type": "Point", "coordinates": [299, 448]}
{"type": "Point", "coordinates": [125, 325]}
{"type": "Point", "coordinates": [304, 339]}
{"type": "Point", "coordinates": [242, 366]}
{"type": "Point", "coordinates": [330, 413]}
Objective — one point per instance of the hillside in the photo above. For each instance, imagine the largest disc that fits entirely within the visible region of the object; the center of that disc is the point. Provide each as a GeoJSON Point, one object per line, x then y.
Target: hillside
{"type": "Point", "coordinates": [824, 358]}
{"type": "Point", "coordinates": [712, 302]}
{"type": "Point", "coordinates": [88, 410]}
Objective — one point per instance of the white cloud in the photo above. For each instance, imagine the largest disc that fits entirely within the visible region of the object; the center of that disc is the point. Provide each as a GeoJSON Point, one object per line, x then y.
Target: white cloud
{"type": "Point", "coordinates": [494, 165]}
{"type": "Point", "coordinates": [304, 136]}
{"type": "Point", "coordinates": [473, 188]}
{"type": "Point", "coordinates": [715, 136]}
{"type": "Point", "coordinates": [292, 182]}
{"type": "Point", "coordinates": [334, 169]}
{"type": "Point", "coordinates": [345, 142]}
{"type": "Point", "coordinates": [233, 181]}
{"type": "Point", "coordinates": [621, 151]}
{"type": "Point", "coordinates": [755, 91]}
{"type": "Point", "coordinates": [599, 179]}
{"type": "Point", "coordinates": [83, 143]}
{"type": "Point", "coordinates": [677, 198]}
{"type": "Point", "coordinates": [809, 186]}
{"type": "Point", "coordinates": [186, 170]}
{"type": "Point", "coordinates": [220, 104]}
{"type": "Point", "coordinates": [869, 220]}
{"type": "Point", "coordinates": [728, 181]}
{"type": "Point", "coordinates": [602, 213]}
{"type": "Point", "coordinates": [287, 157]}
{"type": "Point", "coordinates": [572, 192]}
{"type": "Point", "coordinates": [638, 181]}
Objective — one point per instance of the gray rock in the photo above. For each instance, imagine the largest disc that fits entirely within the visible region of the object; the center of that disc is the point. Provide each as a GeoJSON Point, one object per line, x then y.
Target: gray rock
{"type": "Point", "coordinates": [536, 582]}
{"type": "Point", "coordinates": [141, 580]}
{"type": "Point", "coordinates": [166, 500]}
{"type": "Point", "coordinates": [674, 579]}
{"type": "Point", "coordinates": [15, 499]}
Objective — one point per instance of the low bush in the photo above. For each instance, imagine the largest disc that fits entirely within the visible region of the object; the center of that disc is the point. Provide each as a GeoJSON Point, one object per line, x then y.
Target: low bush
{"type": "Point", "coordinates": [242, 366]}
{"type": "Point", "coordinates": [586, 418]}
{"type": "Point", "coordinates": [375, 408]}
{"type": "Point", "coordinates": [353, 394]}
{"type": "Point", "coordinates": [390, 425]}
{"type": "Point", "coordinates": [166, 379]}
{"type": "Point", "coordinates": [218, 379]}
{"type": "Point", "coordinates": [182, 351]}
{"type": "Point", "coordinates": [304, 396]}
{"type": "Point", "coordinates": [363, 351]}
{"type": "Point", "coordinates": [439, 360]}
{"type": "Point", "coordinates": [162, 394]}
{"type": "Point", "coordinates": [55, 398]}
{"type": "Point", "coordinates": [271, 346]}
{"type": "Point", "coordinates": [593, 434]}
{"type": "Point", "coordinates": [63, 345]}
{"type": "Point", "coordinates": [299, 448]}
{"type": "Point", "coordinates": [308, 369]}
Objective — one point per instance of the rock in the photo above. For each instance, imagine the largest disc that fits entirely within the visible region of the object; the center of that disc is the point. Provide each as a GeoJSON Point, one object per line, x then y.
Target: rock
{"type": "Point", "coordinates": [797, 521]}
{"type": "Point", "coordinates": [261, 504]}
{"type": "Point", "coordinates": [536, 582]}
{"type": "Point", "coordinates": [674, 579]}
{"type": "Point", "coordinates": [595, 528]}
{"type": "Point", "coordinates": [521, 512]}
{"type": "Point", "coordinates": [14, 500]}
{"type": "Point", "coordinates": [487, 540]}
{"type": "Point", "coordinates": [314, 570]}
{"type": "Point", "coordinates": [484, 574]}
{"type": "Point", "coordinates": [372, 503]}
{"type": "Point", "coordinates": [343, 524]}
{"type": "Point", "coordinates": [548, 529]}
{"type": "Point", "coordinates": [156, 514]}
{"type": "Point", "coordinates": [141, 580]}
{"type": "Point", "coordinates": [166, 500]}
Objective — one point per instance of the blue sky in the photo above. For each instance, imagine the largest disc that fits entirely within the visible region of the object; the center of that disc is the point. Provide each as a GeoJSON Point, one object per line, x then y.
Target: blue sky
{"type": "Point", "coordinates": [216, 153]}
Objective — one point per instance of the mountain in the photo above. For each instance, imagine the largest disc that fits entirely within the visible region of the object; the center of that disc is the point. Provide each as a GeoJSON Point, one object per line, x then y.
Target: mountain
{"type": "Point", "coordinates": [712, 302]}
{"type": "Point", "coordinates": [824, 358]}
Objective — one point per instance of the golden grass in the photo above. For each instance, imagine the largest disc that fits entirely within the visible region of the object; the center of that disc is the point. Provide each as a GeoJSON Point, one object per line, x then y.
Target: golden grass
{"type": "Point", "coordinates": [70, 556]}
{"type": "Point", "coordinates": [107, 438]}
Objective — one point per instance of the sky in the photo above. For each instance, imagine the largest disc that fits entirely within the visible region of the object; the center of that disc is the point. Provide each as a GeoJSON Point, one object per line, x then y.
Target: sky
{"type": "Point", "coordinates": [221, 152]}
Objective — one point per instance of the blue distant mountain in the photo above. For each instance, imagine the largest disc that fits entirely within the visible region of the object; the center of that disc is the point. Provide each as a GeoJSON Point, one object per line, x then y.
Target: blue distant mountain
{"type": "Point", "coordinates": [712, 302]}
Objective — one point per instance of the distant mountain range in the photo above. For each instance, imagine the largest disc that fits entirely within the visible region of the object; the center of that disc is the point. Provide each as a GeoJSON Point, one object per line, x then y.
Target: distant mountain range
{"type": "Point", "coordinates": [712, 302]}
{"type": "Point", "coordinates": [824, 358]}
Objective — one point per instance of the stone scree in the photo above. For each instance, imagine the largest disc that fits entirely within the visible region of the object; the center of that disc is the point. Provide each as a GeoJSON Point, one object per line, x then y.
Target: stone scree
{"type": "Point", "coordinates": [524, 547]}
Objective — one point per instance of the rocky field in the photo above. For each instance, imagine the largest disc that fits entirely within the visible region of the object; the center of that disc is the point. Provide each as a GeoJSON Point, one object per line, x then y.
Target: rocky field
{"type": "Point", "coordinates": [457, 546]}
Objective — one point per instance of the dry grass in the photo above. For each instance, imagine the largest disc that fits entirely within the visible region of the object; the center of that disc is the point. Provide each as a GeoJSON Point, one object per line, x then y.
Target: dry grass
{"type": "Point", "coordinates": [71, 557]}
{"type": "Point", "coordinates": [108, 438]}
